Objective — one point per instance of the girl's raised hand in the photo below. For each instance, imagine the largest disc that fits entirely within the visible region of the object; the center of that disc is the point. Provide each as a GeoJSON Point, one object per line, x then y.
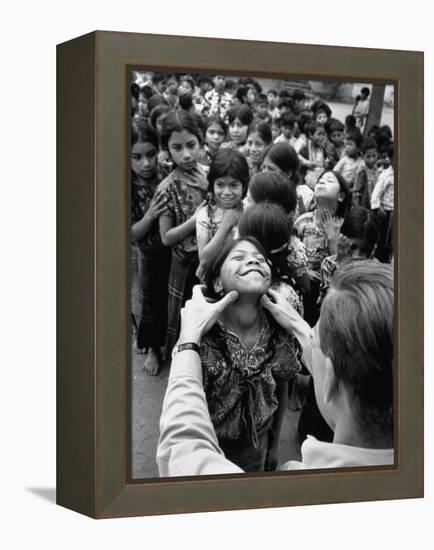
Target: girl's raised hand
{"type": "Point", "coordinates": [158, 204]}
{"type": "Point", "coordinates": [198, 315]}
{"type": "Point", "coordinates": [331, 226]}
{"type": "Point", "coordinates": [197, 177]}
{"type": "Point", "coordinates": [231, 217]}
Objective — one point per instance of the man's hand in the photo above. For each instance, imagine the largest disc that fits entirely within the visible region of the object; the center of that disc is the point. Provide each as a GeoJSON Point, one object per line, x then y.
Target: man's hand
{"type": "Point", "coordinates": [198, 315]}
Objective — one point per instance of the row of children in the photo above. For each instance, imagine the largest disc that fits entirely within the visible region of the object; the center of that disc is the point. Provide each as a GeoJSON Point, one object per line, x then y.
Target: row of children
{"type": "Point", "coordinates": [198, 188]}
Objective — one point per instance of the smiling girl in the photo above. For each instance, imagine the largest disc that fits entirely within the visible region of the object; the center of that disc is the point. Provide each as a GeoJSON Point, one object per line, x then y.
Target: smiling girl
{"type": "Point", "coordinates": [240, 118]}
{"type": "Point", "coordinates": [185, 189]}
{"type": "Point", "coordinates": [215, 223]}
{"type": "Point", "coordinates": [258, 141]}
{"type": "Point", "coordinates": [244, 356]}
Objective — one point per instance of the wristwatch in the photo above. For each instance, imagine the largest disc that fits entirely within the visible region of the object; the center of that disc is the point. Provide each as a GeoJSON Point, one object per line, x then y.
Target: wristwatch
{"type": "Point", "coordinates": [188, 346]}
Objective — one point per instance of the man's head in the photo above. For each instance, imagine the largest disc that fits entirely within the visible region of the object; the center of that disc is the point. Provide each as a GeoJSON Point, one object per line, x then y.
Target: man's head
{"type": "Point", "coordinates": [352, 357]}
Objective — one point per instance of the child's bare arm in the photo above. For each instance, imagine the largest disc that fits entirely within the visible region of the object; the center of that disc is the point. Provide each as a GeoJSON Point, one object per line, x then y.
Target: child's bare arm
{"type": "Point", "coordinates": [211, 249]}
{"type": "Point", "coordinates": [157, 207]}
{"type": "Point", "coordinates": [173, 234]}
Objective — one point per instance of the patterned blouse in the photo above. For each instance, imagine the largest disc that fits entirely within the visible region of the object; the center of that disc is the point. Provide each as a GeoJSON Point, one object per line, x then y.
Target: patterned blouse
{"type": "Point", "coordinates": [183, 197]}
{"type": "Point", "coordinates": [240, 383]}
{"type": "Point", "coordinates": [141, 196]}
{"type": "Point", "coordinates": [314, 238]}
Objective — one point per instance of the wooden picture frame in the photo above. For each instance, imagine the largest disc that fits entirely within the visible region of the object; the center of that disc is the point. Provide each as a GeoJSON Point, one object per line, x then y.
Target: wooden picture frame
{"type": "Point", "coordinates": [93, 286]}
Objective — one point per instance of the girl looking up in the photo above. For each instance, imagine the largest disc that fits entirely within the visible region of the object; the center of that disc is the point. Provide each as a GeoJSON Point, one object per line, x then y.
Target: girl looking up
{"type": "Point", "coordinates": [244, 356]}
{"type": "Point", "coordinates": [185, 189]}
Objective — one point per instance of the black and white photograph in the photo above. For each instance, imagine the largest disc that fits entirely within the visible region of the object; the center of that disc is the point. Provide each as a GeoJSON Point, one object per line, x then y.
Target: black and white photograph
{"type": "Point", "coordinates": [261, 274]}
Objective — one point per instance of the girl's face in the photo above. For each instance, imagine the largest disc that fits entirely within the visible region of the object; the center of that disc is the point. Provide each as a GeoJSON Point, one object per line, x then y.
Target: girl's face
{"type": "Point", "coordinates": [184, 149]}
{"type": "Point", "coordinates": [256, 147]}
{"type": "Point", "coordinates": [251, 96]}
{"type": "Point", "coordinates": [337, 137]}
{"type": "Point", "coordinates": [350, 148]}
{"type": "Point", "coordinates": [144, 160]}
{"type": "Point", "coordinates": [214, 136]}
{"type": "Point", "coordinates": [245, 270]}
{"type": "Point", "coordinates": [185, 88]}
{"type": "Point", "coordinates": [238, 131]}
{"type": "Point", "coordinates": [321, 117]}
{"type": "Point", "coordinates": [328, 187]}
{"type": "Point", "coordinates": [228, 192]}
{"type": "Point", "coordinates": [275, 131]}
{"type": "Point", "coordinates": [319, 136]}
{"type": "Point", "coordinates": [269, 166]}
{"type": "Point", "coordinates": [370, 156]}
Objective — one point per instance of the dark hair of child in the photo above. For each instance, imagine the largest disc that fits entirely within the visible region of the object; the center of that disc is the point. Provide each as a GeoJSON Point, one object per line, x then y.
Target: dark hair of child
{"type": "Point", "coordinates": [313, 126]}
{"type": "Point", "coordinates": [288, 119]}
{"type": "Point", "coordinates": [143, 132]}
{"type": "Point", "coordinates": [320, 105]}
{"type": "Point", "coordinates": [285, 157]}
{"type": "Point", "coordinates": [297, 95]}
{"type": "Point", "coordinates": [262, 98]}
{"type": "Point", "coordinates": [229, 162]}
{"type": "Point", "coordinates": [355, 135]}
{"type": "Point", "coordinates": [230, 85]}
{"type": "Point", "coordinates": [350, 121]}
{"type": "Point", "coordinates": [204, 79]}
{"type": "Point", "coordinates": [177, 121]}
{"type": "Point", "coordinates": [272, 91]}
{"type": "Point", "coordinates": [284, 93]}
{"type": "Point", "coordinates": [135, 90]}
{"type": "Point", "coordinates": [368, 143]}
{"type": "Point", "coordinates": [334, 125]}
{"type": "Point", "coordinates": [285, 102]}
{"type": "Point", "coordinates": [157, 111]}
{"type": "Point", "coordinates": [242, 112]}
{"type": "Point", "coordinates": [365, 91]}
{"type": "Point", "coordinates": [263, 129]}
{"type": "Point", "coordinates": [215, 119]}
{"type": "Point", "coordinates": [304, 118]}
{"type": "Point", "coordinates": [269, 224]}
{"type": "Point", "coordinates": [273, 187]}
{"type": "Point", "coordinates": [160, 77]}
{"type": "Point", "coordinates": [387, 148]}
{"type": "Point", "coordinates": [345, 204]}
{"type": "Point", "coordinates": [147, 91]}
{"type": "Point", "coordinates": [155, 100]}
{"type": "Point", "coordinates": [361, 223]}
{"type": "Point", "coordinates": [241, 94]}
{"type": "Point", "coordinates": [213, 273]}
{"type": "Point", "coordinates": [186, 101]}
{"type": "Point", "coordinates": [187, 78]}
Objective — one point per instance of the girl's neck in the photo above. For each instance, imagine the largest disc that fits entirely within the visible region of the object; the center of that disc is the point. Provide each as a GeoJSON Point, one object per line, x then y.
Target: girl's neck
{"type": "Point", "coordinates": [245, 318]}
{"type": "Point", "coordinates": [142, 182]}
{"type": "Point", "coordinates": [327, 204]}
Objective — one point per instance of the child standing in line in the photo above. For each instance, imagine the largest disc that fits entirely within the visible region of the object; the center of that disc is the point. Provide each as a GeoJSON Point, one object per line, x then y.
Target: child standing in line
{"type": "Point", "coordinates": [215, 131]}
{"type": "Point", "coordinates": [335, 146]}
{"type": "Point", "coordinates": [258, 140]}
{"type": "Point", "coordinates": [153, 258]}
{"type": "Point", "coordinates": [314, 157]}
{"type": "Point", "coordinates": [262, 113]}
{"type": "Point", "coordinates": [218, 99]}
{"type": "Point", "coordinates": [361, 108]}
{"type": "Point", "coordinates": [240, 118]}
{"type": "Point", "coordinates": [351, 162]}
{"type": "Point", "coordinates": [287, 126]}
{"type": "Point", "coordinates": [382, 202]}
{"type": "Point", "coordinates": [366, 175]}
{"type": "Point", "coordinates": [273, 100]}
{"type": "Point", "coordinates": [185, 189]}
{"type": "Point", "coordinates": [216, 222]}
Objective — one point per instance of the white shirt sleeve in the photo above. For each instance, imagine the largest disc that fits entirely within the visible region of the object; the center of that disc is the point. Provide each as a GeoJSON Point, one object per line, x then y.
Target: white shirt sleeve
{"type": "Point", "coordinates": [188, 444]}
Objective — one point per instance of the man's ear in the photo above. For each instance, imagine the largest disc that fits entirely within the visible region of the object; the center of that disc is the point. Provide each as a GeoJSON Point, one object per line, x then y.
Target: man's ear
{"type": "Point", "coordinates": [330, 381]}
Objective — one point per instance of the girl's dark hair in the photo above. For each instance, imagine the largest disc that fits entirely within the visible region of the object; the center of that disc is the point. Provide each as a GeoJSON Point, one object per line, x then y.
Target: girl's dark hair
{"type": "Point", "coordinates": [285, 102]}
{"type": "Point", "coordinates": [177, 121]}
{"type": "Point", "coordinates": [229, 162]}
{"type": "Point", "coordinates": [186, 101]}
{"type": "Point", "coordinates": [157, 112]}
{"type": "Point", "coordinates": [285, 157]}
{"type": "Point", "coordinates": [270, 225]}
{"type": "Point", "coordinates": [241, 94]}
{"type": "Point", "coordinates": [365, 91]}
{"type": "Point", "coordinates": [345, 204]}
{"type": "Point", "coordinates": [350, 121]}
{"type": "Point", "coordinates": [147, 91]}
{"type": "Point", "coordinates": [213, 272]}
{"type": "Point", "coordinates": [155, 100]}
{"type": "Point", "coordinates": [368, 143]}
{"type": "Point", "coordinates": [361, 223]}
{"type": "Point", "coordinates": [387, 148]}
{"type": "Point", "coordinates": [273, 187]}
{"type": "Point", "coordinates": [288, 119]}
{"type": "Point", "coordinates": [142, 132]}
{"type": "Point", "coordinates": [355, 135]}
{"type": "Point", "coordinates": [313, 126]}
{"type": "Point", "coordinates": [334, 125]}
{"type": "Point", "coordinates": [304, 118]}
{"type": "Point", "coordinates": [215, 119]}
{"type": "Point", "coordinates": [263, 129]}
{"type": "Point", "coordinates": [320, 105]}
{"type": "Point", "coordinates": [242, 112]}
{"type": "Point", "coordinates": [187, 78]}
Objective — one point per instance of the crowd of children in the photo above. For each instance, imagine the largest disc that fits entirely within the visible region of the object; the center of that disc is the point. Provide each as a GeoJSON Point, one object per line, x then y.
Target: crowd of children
{"type": "Point", "coordinates": [225, 173]}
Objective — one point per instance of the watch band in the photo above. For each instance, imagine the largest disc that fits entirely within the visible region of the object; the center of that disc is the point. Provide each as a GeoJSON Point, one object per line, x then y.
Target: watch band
{"type": "Point", "coordinates": [188, 346]}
